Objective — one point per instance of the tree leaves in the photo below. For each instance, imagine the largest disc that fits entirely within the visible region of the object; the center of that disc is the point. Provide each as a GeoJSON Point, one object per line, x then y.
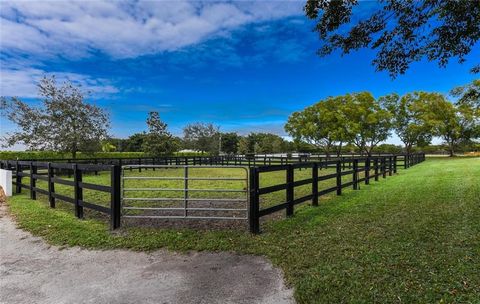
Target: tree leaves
{"type": "Point", "coordinates": [63, 122]}
{"type": "Point", "coordinates": [402, 31]}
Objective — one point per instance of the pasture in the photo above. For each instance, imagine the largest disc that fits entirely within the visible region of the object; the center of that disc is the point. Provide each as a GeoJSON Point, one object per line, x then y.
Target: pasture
{"type": "Point", "coordinates": [411, 238]}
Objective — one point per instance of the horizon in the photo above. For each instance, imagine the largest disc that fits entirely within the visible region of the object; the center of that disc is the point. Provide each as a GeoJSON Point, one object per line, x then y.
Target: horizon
{"type": "Point", "coordinates": [244, 66]}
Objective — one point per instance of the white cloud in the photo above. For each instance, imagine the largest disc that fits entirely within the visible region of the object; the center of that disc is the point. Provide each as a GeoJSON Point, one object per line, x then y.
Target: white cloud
{"type": "Point", "coordinates": [125, 29]}
{"type": "Point", "coordinates": [23, 82]}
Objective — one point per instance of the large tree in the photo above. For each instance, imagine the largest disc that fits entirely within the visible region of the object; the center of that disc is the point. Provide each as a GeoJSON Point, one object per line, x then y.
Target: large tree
{"type": "Point", "coordinates": [323, 124]}
{"type": "Point", "coordinates": [408, 113]}
{"type": "Point", "coordinates": [368, 123]}
{"type": "Point", "coordinates": [456, 124]}
{"type": "Point", "coordinates": [158, 141]}
{"type": "Point", "coordinates": [62, 122]}
{"type": "Point", "coordinates": [402, 31]}
{"type": "Point", "coordinates": [229, 142]}
{"type": "Point", "coordinates": [204, 137]}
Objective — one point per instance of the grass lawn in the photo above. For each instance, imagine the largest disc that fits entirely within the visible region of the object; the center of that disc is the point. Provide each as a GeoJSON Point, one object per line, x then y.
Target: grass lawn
{"type": "Point", "coordinates": [412, 238]}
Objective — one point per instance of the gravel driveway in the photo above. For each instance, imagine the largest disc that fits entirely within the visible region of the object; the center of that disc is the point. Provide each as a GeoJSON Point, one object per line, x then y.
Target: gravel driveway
{"type": "Point", "coordinates": [32, 271]}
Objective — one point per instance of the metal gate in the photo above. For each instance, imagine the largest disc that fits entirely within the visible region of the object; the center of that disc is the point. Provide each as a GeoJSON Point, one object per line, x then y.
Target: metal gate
{"type": "Point", "coordinates": [183, 192]}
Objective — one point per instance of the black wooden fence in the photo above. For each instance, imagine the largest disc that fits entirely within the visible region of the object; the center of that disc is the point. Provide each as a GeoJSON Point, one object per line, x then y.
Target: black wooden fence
{"type": "Point", "coordinates": [54, 174]}
{"type": "Point", "coordinates": [60, 172]}
{"type": "Point", "coordinates": [370, 167]}
{"type": "Point", "coordinates": [222, 160]}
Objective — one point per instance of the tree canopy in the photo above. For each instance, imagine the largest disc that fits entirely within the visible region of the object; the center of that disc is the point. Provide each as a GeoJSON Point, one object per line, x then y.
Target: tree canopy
{"type": "Point", "coordinates": [62, 122]}
{"type": "Point", "coordinates": [158, 141]}
{"type": "Point", "coordinates": [402, 31]}
{"type": "Point", "coordinates": [323, 124]}
{"type": "Point", "coordinates": [204, 137]}
{"type": "Point", "coordinates": [408, 118]}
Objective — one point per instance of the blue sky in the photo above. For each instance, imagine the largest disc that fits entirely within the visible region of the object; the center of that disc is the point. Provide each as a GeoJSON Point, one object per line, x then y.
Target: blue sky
{"type": "Point", "coordinates": [244, 66]}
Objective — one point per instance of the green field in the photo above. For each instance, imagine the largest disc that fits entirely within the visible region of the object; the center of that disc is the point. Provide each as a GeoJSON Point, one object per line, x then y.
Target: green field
{"type": "Point", "coordinates": [411, 238]}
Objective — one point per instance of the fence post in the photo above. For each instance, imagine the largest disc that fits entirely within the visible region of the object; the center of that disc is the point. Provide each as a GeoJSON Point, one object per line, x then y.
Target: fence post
{"type": "Point", "coordinates": [375, 163]}
{"type": "Point", "coordinates": [254, 206]}
{"type": "Point", "coordinates": [139, 165]}
{"type": "Point", "coordinates": [115, 199]}
{"type": "Point", "coordinates": [390, 165]}
{"type": "Point", "coordinates": [367, 171]}
{"type": "Point", "coordinates": [355, 174]}
{"type": "Point", "coordinates": [289, 192]}
{"type": "Point", "coordinates": [395, 164]}
{"type": "Point", "coordinates": [18, 179]}
{"type": "Point", "coordinates": [405, 161]}
{"type": "Point", "coordinates": [315, 184]}
{"type": "Point", "coordinates": [33, 171]}
{"type": "Point", "coordinates": [384, 167]}
{"type": "Point", "coordinates": [77, 179]}
{"type": "Point", "coordinates": [339, 176]}
{"type": "Point", "coordinates": [51, 185]}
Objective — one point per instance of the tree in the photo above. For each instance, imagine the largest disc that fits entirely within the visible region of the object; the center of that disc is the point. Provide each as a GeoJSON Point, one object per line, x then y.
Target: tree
{"type": "Point", "coordinates": [403, 31]}
{"type": "Point", "coordinates": [408, 121]}
{"type": "Point", "coordinates": [202, 136]}
{"type": "Point", "coordinates": [134, 143]}
{"type": "Point", "coordinates": [245, 146]}
{"type": "Point", "coordinates": [367, 123]}
{"type": "Point", "coordinates": [229, 143]}
{"type": "Point", "coordinates": [262, 143]}
{"type": "Point", "coordinates": [455, 124]}
{"type": "Point", "coordinates": [158, 141]}
{"type": "Point", "coordinates": [63, 122]}
{"type": "Point", "coordinates": [323, 125]}
{"type": "Point", "coordinates": [469, 95]}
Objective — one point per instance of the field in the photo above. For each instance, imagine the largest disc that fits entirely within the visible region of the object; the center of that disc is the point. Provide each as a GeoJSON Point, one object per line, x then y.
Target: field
{"type": "Point", "coordinates": [414, 237]}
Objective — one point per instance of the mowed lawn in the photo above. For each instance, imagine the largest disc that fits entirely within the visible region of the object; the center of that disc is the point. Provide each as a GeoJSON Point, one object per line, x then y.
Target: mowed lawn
{"type": "Point", "coordinates": [410, 238]}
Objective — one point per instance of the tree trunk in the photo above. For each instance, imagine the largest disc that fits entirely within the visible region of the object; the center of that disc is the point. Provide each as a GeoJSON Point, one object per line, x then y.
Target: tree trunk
{"type": "Point", "coordinates": [408, 149]}
{"type": "Point", "coordinates": [451, 150]}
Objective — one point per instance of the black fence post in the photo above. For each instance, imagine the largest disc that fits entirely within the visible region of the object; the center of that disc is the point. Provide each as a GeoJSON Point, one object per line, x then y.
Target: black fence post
{"type": "Point", "coordinates": [77, 179]}
{"type": "Point", "coordinates": [51, 185]}
{"type": "Point", "coordinates": [384, 167]}
{"type": "Point", "coordinates": [254, 206]}
{"type": "Point", "coordinates": [395, 164]}
{"type": "Point", "coordinates": [315, 184]}
{"type": "Point", "coordinates": [405, 161]}
{"type": "Point", "coordinates": [33, 171]}
{"type": "Point", "coordinates": [390, 165]}
{"type": "Point", "coordinates": [367, 171]}
{"type": "Point", "coordinates": [18, 178]}
{"type": "Point", "coordinates": [289, 192]}
{"type": "Point", "coordinates": [115, 199]}
{"type": "Point", "coordinates": [355, 174]}
{"type": "Point", "coordinates": [139, 165]}
{"type": "Point", "coordinates": [375, 163]}
{"type": "Point", "coordinates": [339, 175]}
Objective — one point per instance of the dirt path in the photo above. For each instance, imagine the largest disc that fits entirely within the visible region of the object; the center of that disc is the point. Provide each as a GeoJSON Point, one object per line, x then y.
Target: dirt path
{"type": "Point", "coordinates": [31, 271]}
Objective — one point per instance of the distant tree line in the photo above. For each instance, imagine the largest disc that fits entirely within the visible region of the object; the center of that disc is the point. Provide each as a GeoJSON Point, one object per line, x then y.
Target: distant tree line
{"type": "Point", "coordinates": [363, 121]}
{"type": "Point", "coordinates": [352, 123]}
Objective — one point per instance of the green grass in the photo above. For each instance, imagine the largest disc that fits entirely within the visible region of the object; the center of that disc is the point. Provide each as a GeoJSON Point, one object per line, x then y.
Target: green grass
{"type": "Point", "coordinates": [412, 238]}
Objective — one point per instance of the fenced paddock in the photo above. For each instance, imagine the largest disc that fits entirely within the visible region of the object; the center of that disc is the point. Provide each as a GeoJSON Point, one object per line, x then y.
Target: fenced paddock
{"type": "Point", "coordinates": [210, 189]}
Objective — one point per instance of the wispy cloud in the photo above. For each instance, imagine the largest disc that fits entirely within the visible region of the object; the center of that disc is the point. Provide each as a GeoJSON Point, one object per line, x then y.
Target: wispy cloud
{"type": "Point", "coordinates": [125, 29]}
{"type": "Point", "coordinates": [23, 82]}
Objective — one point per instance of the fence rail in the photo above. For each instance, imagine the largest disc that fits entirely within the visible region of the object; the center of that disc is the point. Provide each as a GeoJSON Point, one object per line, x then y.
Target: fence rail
{"type": "Point", "coordinates": [54, 174]}
{"type": "Point", "coordinates": [223, 160]}
{"type": "Point", "coordinates": [380, 165]}
{"type": "Point", "coordinates": [70, 174]}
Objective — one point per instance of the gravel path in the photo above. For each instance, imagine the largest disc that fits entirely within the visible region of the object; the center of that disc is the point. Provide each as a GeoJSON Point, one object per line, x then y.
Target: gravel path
{"type": "Point", "coordinates": [32, 271]}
